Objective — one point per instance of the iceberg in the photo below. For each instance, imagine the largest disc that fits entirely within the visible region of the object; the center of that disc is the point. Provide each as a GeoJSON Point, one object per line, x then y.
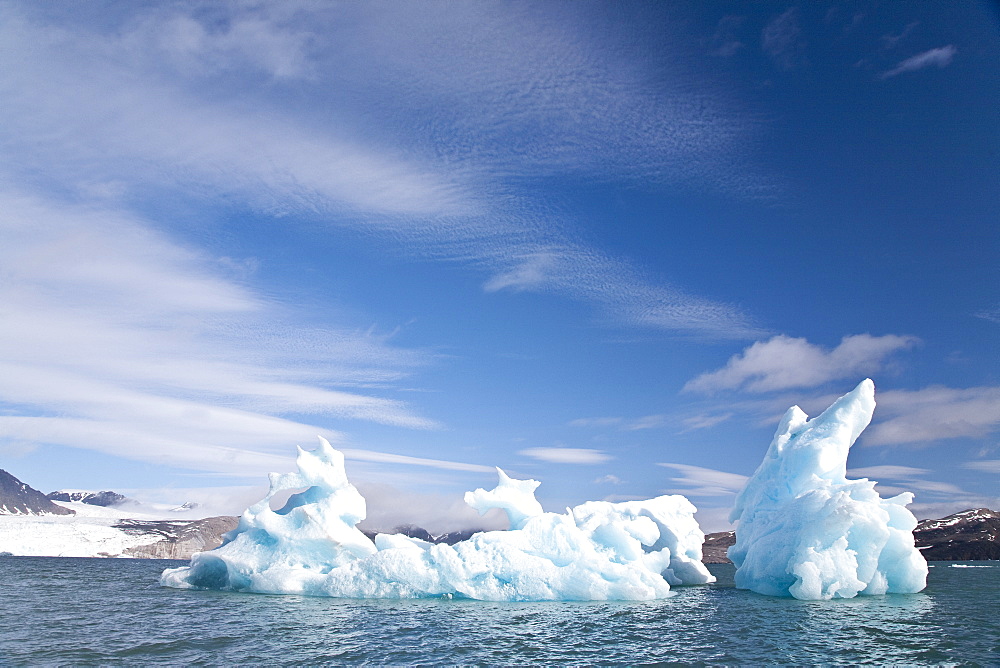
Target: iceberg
{"type": "Point", "coordinates": [634, 550]}
{"type": "Point", "coordinates": [805, 530]}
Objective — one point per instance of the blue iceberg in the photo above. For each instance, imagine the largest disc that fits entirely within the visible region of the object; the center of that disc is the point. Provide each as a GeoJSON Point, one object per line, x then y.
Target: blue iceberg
{"type": "Point", "coordinates": [805, 530]}
{"type": "Point", "coordinates": [596, 551]}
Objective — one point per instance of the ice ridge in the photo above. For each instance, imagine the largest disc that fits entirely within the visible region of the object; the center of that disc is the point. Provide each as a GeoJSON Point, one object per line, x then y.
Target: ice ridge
{"type": "Point", "coordinates": [596, 551]}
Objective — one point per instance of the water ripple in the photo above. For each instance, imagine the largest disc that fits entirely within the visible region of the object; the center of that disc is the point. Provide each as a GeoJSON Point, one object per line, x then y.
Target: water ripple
{"type": "Point", "coordinates": [92, 612]}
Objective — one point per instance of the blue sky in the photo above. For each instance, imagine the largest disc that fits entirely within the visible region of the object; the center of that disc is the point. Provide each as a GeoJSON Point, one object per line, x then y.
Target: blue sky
{"type": "Point", "coordinates": [603, 245]}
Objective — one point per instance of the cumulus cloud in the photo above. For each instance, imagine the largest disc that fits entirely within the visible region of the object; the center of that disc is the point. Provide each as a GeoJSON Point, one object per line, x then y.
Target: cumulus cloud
{"type": "Point", "coordinates": [567, 455]}
{"type": "Point", "coordinates": [921, 417]}
{"type": "Point", "coordinates": [940, 58]}
{"type": "Point", "coordinates": [783, 362]}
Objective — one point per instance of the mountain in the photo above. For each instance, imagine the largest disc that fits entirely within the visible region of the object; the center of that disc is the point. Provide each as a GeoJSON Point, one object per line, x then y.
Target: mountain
{"type": "Point", "coordinates": [179, 538]}
{"type": "Point", "coordinates": [32, 524]}
{"type": "Point", "coordinates": [18, 498]}
{"type": "Point", "coordinates": [714, 549]}
{"type": "Point", "coordinates": [965, 536]}
{"type": "Point", "coordinates": [422, 534]}
{"type": "Point", "coordinates": [92, 498]}
{"type": "Point", "coordinates": [971, 535]}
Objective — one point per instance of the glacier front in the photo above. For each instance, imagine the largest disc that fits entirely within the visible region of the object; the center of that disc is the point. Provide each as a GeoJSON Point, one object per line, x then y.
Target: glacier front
{"type": "Point", "coordinates": [596, 551]}
{"type": "Point", "coordinates": [805, 530]}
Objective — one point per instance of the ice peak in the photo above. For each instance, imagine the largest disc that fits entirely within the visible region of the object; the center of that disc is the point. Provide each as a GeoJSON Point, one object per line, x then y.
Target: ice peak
{"type": "Point", "coordinates": [806, 530]}
{"type": "Point", "coordinates": [516, 497]}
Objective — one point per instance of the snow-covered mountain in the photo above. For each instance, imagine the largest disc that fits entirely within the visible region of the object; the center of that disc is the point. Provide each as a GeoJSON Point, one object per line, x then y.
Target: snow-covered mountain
{"type": "Point", "coordinates": [18, 498]}
{"type": "Point", "coordinates": [965, 536]}
{"type": "Point", "coordinates": [33, 525]}
{"type": "Point", "coordinates": [104, 498]}
{"type": "Point", "coordinates": [80, 523]}
{"type": "Point", "coordinates": [98, 531]}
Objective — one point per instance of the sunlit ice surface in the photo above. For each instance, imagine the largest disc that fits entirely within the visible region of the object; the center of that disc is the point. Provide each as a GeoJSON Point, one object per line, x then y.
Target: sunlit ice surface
{"type": "Point", "coordinates": [596, 551]}
{"type": "Point", "coordinates": [805, 530]}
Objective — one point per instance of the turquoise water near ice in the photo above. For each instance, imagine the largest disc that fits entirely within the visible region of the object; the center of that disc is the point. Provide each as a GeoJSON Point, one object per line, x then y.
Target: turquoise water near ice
{"type": "Point", "coordinates": [60, 611]}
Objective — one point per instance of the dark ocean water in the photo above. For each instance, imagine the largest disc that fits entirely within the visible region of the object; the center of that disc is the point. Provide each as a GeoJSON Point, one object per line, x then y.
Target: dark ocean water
{"type": "Point", "coordinates": [60, 611]}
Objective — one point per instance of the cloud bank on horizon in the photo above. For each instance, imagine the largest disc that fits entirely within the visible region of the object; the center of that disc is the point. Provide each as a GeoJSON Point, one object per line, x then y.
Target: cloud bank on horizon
{"type": "Point", "coordinates": [447, 237]}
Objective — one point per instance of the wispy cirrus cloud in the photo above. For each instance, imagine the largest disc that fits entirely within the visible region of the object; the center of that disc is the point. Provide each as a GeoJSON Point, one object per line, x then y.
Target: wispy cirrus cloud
{"type": "Point", "coordinates": [567, 455]}
{"type": "Point", "coordinates": [784, 362]}
{"type": "Point", "coordinates": [986, 465]}
{"type": "Point", "coordinates": [940, 58]}
{"type": "Point", "coordinates": [704, 482]}
{"type": "Point", "coordinates": [783, 41]}
{"type": "Point", "coordinates": [890, 471]}
{"type": "Point", "coordinates": [933, 498]}
{"type": "Point", "coordinates": [922, 417]}
{"type": "Point", "coordinates": [430, 153]}
{"type": "Point", "coordinates": [992, 314]}
{"type": "Point", "coordinates": [622, 424]}
{"type": "Point", "coordinates": [115, 338]}
{"type": "Point", "coordinates": [705, 421]}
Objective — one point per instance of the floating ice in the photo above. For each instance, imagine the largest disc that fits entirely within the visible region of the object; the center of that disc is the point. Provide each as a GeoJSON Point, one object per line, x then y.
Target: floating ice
{"type": "Point", "coordinates": [807, 531]}
{"type": "Point", "coordinates": [596, 551]}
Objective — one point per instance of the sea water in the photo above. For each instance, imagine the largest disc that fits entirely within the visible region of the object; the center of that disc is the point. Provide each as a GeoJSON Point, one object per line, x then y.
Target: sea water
{"type": "Point", "coordinates": [63, 611]}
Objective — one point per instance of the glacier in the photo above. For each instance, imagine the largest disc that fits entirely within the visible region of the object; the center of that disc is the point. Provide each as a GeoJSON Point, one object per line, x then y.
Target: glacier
{"type": "Point", "coordinates": [599, 550]}
{"type": "Point", "coordinates": [805, 530]}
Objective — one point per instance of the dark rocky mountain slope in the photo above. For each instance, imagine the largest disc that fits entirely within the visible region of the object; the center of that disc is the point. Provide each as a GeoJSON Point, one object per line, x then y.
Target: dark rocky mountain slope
{"type": "Point", "coordinates": [179, 538]}
{"type": "Point", "coordinates": [18, 498]}
{"type": "Point", "coordinates": [966, 536]}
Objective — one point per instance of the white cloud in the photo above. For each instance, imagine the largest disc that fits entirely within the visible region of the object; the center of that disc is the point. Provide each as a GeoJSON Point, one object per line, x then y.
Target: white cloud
{"type": "Point", "coordinates": [567, 455]}
{"type": "Point", "coordinates": [782, 40]}
{"type": "Point", "coordinates": [888, 471]}
{"type": "Point", "coordinates": [596, 422]}
{"type": "Point", "coordinates": [387, 458]}
{"type": "Point", "coordinates": [991, 314]}
{"type": "Point", "coordinates": [783, 362]}
{"type": "Point", "coordinates": [911, 479]}
{"type": "Point", "coordinates": [89, 109]}
{"type": "Point", "coordinates": [622, 424]}
{"type": "Point", "coordinates": [726, 41]}
{"type": "Point", "coordinates": [704, 421]}
{"type": "Point", "coordinates": [943, 508]}
{"type": "Point", "coordinates": [253, 39]}
{"type": "Point", "coordinates": [117, 339]}
{"type": "Point", "coordinates": [936, 413]}
{"type": "Point", "coordinates": [700, 481]}
{"type": "Point", "coordinates": [608, 479]}
{"type": "Point", "coordinates": [390, 506]}
{"type": "Point", "coordinates": [940, 58]}
{"type": "Point", "coordinates": [890, 41]}
{"type": "Point", "coordinates": [528, 274]}
{"type": "Point", "coordinates": [646, 422]}
{"type": "Point", "coordinates": [711, 520]}
{"type": "Point", "coordinates": [987, 465]}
